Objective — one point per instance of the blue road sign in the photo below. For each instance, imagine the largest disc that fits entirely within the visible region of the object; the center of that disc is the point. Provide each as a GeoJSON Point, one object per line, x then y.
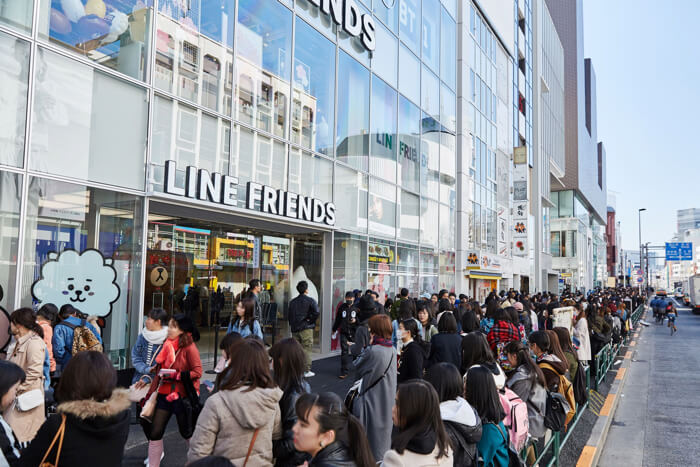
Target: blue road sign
{"type": "Point", "coordinates": [679, 251]}
{"type": "Point", "coordinates": [640, 279]}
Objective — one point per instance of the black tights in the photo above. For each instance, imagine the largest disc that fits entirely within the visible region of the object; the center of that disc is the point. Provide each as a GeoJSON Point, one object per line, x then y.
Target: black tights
{"type": "Point", "coordinates": [161, 417]}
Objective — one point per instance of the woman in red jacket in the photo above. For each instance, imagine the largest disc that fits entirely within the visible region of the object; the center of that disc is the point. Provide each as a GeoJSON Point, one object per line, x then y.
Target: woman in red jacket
{"type": "Point", "coordinates": [175, 376]}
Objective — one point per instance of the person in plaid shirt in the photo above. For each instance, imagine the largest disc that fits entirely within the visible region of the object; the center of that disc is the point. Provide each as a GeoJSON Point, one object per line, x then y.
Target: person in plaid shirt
{"type": "Point", "coordinates": [502, 331]}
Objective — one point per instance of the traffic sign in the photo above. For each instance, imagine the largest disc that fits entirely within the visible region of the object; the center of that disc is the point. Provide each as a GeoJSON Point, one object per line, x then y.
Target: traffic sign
{"type": "Point", "coordinates": [679, 251]}
{"type": "Point", "coordinates": [640, 279]}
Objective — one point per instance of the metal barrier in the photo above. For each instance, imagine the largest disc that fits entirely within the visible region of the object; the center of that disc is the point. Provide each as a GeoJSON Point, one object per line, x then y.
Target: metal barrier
{"type": "Point", "coordinates": [604, 360]}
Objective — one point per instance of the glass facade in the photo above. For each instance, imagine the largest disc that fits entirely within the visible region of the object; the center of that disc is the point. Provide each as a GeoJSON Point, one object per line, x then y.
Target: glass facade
{"type": "Point", "coordinates": [99, 98]}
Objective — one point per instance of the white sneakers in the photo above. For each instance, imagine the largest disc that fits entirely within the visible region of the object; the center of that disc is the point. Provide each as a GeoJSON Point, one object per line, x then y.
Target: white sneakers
{"type": "Point", "coordinates": [162, 455]}
{"type": "Point", "coordinates": [309, 374]}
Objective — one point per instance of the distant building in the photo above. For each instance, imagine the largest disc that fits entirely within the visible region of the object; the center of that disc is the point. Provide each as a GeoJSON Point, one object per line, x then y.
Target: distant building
{"type": "Point", "coordinates": [687, 219]}
{"type": "Point", "coordinates": [612, 258]}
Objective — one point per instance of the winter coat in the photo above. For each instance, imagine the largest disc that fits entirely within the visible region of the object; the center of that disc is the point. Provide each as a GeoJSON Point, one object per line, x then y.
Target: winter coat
{"type": "Point", "coordinates": [29, 354]}
{"type": "Point", "coordinates": [463, 426]}
{"type": "Point", "coordinates": [361, 339]}
{"type": "Point", "coordinates": [413, 459]}
{"type": "Point", "coordinates": [396, 339]}
{"type": "Point", "coordinates": [144, 352]}
{"type": "Point", "coordinates": [9, 446]}
{"type": "Point", "coordinates": [303, 313]}
{"type": "Point", "coordinates": [429, 331]}
{"type": "Point", "coordinates": [48, 335]}
{"type": "Point", "coordinates": [95, 433]}
{"type": "Point", "coordinates": [333, 455]}
{"type": "Point", "coordinates": [552, 377]}
{"type": "Point", "coordinates": [186, 361]}
{"type": "Point", "coordinates": [581, 333]}
{"type": "Point", "coordinates": [244, 329]}
{"type": "Point", "coordinates": [228, 421]}
{"type": "Point", "coordinates": [492, 446]}
{"type": "Point", "coordinates": [411, 362]}
{"type": "Point", "coordinates": [446, 347]}
{"type": "Point", "coordinates": [62, 340]}
{"type": "Point", "coordinates": [534, 395]}
{"type": "Point", "coordinates": [373, 407]}
{"type": "Point", "coordinates": [283, 448]}
{"type": "Point", "coordinates": [572, 363]}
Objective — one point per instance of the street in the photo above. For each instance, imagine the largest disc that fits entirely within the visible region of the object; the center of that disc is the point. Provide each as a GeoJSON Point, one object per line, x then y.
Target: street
{"type": "Point", "coordinates": [656, 420]}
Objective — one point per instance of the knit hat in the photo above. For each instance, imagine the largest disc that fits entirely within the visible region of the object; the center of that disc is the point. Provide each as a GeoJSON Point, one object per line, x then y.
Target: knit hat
{"type": "Point", "coordinates": [518, 306]}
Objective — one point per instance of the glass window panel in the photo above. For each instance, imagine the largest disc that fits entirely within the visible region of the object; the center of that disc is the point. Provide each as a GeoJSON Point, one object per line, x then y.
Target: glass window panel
{"type": "Point", "coordinates": [10, 204]}
{"type": "Point", "coordinates": [428, 222]}
{"type": "Point", "coordinates": [448, 50]}
{"type": "Point", "coordinates": [409, 23]}
{"type": "Point", "coordinates": [351, 195]}
{"type": "Point", "coordinates": [352, 133]}
{"type": "Point", "coordinates": [566, 204]}
{"type": "Point", "coordinates": [409, 215]}
{"type": "Point", "coordinates": [189, 137]}
{"type": "Point", "coordinates": [114, 34]}
{"type": "Point", "coordinates": [384, 57]}
{"type": "Point", "coordinates": [451, 6]}
{"type": "Point", "coordinates": [447, 227]}
{"type": "Point", "coordinates": [353, 44]}
{"type": "Point", "coordinates": [317, 18]}
{"type": "Point", "coordinates": [349, 265]}
{"type": "Point", "coordinates": [264, 35]}
{"type": "Point", "coordinates": [382, 207]}
{"type": "Point", "coordinates": [428, 270]}
{"type": "Point", "coordinates": [388, 16]}
{"type": "Point", "coordinates": [381, 257]}
{"type": "Point", "coordinates": [14, 74]}
{"type": "Point", "coordinates": [447, 169]}
{"type": "Point", "coordinates": [409, 68]}
{"type": "Point", "coordinates": [84, 120]}
{"type": "Point", "coordinates": [431, 34]}
{"type": "Point", "coordinates": [99, 225]}
{"type": "Point", "coordinates": [383, 135]}
{"type": "Point", "coordinates": [314, 90]}
{"type": "Point", "coordinates": [409, 145]}
{"type": "Point", "coordinates": [447, 270]}
{"type": "Point", "coordinates": [430, 85]}
{"type": "Point", "coordinates": [430, 158]}
{"type": "Point", "coordinates": [17, 14]}
{"type": "Point", "coordinates": [304, 167]}
{"type": "Point", "coordinates": [408, 260]}
{"type": "Point", "coordinates": [448, 109]}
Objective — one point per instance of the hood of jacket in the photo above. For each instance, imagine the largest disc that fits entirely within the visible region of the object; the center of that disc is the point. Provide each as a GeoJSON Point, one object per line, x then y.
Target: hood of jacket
{"type": "Point", "coordinates": [557, 364]}
{"type": "Point", "coordinates": [155, 337]}
{"type": "Point", "coordinates": [521, 373]}
{"type": "Point", "coordinates": [103, 419]}
{"type": "Point", "coordinates": [458, 411]}
{"type": "Point", "coordinates": [251, 409]}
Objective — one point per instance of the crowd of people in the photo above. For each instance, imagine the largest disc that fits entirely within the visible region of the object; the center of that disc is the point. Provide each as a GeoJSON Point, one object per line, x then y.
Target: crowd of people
{"type": "Point", "coordinates": [439, 380]}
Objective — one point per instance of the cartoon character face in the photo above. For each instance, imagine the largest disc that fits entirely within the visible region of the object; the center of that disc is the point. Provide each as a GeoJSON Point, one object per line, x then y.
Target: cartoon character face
{"type": "Point", "coordinates": [85, 280]}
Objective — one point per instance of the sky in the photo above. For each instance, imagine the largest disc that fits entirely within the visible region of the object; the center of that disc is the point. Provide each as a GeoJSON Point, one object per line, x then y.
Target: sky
{"type": "Point", "coordinates": [647, 64]}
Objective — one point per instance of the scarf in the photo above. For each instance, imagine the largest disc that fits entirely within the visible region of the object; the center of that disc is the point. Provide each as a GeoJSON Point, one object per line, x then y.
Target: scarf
{"type": "Point", "coordinates": [383, 342]}
{"type": "Point", "coordinates": [423, 443]}
{"type": "Point", "coordinates": [155, 337]}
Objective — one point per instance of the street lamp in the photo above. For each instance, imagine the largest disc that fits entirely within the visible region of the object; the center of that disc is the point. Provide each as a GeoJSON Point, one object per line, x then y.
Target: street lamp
{"type": "Point", "coordinates": [639, 215]}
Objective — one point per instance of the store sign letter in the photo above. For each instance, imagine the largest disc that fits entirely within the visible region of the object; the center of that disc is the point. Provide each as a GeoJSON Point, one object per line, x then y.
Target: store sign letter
{"type": "Point", "coordinates": [348, 15]}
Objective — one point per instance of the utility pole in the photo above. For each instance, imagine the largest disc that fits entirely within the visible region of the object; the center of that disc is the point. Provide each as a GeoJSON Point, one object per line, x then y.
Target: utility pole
{"type": "Point", "coordinates": [639, 214]}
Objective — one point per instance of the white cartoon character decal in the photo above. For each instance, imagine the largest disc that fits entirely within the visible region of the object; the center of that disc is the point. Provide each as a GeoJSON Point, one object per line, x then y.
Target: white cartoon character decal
{"type": "Point", "coordinates": [85, 280]}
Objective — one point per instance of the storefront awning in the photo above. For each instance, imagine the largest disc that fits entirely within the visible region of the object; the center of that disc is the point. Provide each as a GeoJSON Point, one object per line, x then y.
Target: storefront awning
{"type": "Point", "coordinates": [484, 275]}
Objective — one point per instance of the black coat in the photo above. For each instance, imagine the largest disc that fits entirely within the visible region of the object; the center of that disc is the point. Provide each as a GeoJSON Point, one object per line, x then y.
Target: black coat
{"type": "Point", "coordinates": [445, 347]}
{"type": "Point", "coordinates": [463, 439]}
{"type": "Point", "coordinates": [283, 449]}
{"type": "Point", "coordinates": [303, 313]}
{"type": "Point", "coordinates": [411, 362]}
{"type": "Point", "coordinates": [95, 433]}
{"type": "Point", "coordinates": [333, 455]}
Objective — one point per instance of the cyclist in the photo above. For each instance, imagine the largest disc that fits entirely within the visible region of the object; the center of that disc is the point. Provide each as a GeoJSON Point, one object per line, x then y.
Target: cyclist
{"type": "Point", "coordinates": [672, 314]}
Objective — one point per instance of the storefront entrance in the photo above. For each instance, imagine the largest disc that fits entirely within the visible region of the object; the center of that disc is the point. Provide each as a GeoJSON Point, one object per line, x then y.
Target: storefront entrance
{"type": "Point", "coordinates": [200, 268]}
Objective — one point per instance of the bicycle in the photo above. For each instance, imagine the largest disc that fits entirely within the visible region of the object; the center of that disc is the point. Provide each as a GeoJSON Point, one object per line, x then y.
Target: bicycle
{"type": "Point", "coordinates": [672, 322]}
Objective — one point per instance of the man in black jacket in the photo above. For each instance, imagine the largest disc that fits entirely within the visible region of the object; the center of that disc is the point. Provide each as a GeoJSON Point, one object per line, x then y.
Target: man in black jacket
{"type": "Point", "coordinates": [346, 323]}
{"type": "Point", "coordinates": [303, 313]}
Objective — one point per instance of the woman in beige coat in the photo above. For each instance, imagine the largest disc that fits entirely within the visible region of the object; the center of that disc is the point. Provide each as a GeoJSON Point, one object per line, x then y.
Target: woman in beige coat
{"type": "Point", "coordinates": [29, 354]}
{"type": "Point", "coordinates": [243, 414]}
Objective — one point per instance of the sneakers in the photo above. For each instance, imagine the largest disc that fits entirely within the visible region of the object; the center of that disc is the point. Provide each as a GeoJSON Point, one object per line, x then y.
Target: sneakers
{"type": "Point", "coordinates": [309, 374]}
{"type": "Point", "coordinates": [162, 455]}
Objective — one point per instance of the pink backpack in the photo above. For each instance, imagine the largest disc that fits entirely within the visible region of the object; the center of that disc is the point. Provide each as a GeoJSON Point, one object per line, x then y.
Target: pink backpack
{"type": "Point", "coordinates": [516, 418]}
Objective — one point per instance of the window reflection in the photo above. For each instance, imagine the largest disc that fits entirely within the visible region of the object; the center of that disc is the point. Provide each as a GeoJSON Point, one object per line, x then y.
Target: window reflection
{"type": "Point", "coordinates": [382, 207]}
{"type": "Point", "coordinates": [409, 23]}
{"type": "Point", "coordinates": [352, 134]}
{"type": "Point", "coordinates": [264, 37]}
{"type": "Point", "coordinates": [351, 190]}
{"type": "Point", "coordinates": [430, 157]}
{"type": "Point", "coordinates": [428, 222]}
{"type": "Point", "coordinates": [313, 101]}
{"type": "Point", "coordinates": [10, 203]}
{"type": "Point", "coordinates": [383, 137]}
{"type": "Point", "coordinates": [14, 73]}
{"type": "Point", "coordinates": [448, 50]}
{"type": "Point", "coordinates": [310, 175]}
{"type": "Point", "coordinates": [409, 215]}
{"type": "Point", "coordinates": [409, 145]}
{"type": "Point", "coordinates": [431, 37]}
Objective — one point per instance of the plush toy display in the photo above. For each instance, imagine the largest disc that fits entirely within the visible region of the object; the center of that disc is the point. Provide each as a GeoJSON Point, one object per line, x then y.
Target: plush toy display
{"type": "Point", "coordinates": [73, 9]}
{"type": "Point", "coordinates": [59, 23]}
{"type": "Point", "coordinates": [96, 7]}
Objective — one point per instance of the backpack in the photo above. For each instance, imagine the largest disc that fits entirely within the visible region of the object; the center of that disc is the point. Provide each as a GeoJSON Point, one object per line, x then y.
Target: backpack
{"type": "Point", "coordinates": [579, 384]}
{"type": "Point", "coordinates": [556, 411]}
{"type": "Point", "coordinates": [566, 390]}
{"type": "Point", "coordinates": [516, 421]}
{"type": "Point", "coordinates": [83, 338]}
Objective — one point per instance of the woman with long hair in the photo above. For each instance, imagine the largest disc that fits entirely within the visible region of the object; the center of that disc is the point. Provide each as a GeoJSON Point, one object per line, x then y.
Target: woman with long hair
{"type": "Point", "coordinates": [567, 349]}
{"type": "Point", "coordinates": [581, 333]}
{"type": "Point", "coordinates": [421, 438]}
{"type": "Point", "coordinates": [11, 376]}
{"type": "Point", "coordinates": [481, 393]}
{"type": "Point", "coordinates": [556, 349]}
{"type": "Point", "coordinates": [376, 367]}
{"type": "Point", "coordinates": [528, 382]}
{"type": "Point", "coordinates": [423, 314]}
{"type": "Point", "coordinates": [446, 346]}
{"type": "Point", "coordinates": [244, 322]}
{"type": "Point", "coordinates": [94, 414]}
{"type": "Point", "coordinates": [462, 422]}
{"type": "Point", "coordinates": [412, 357]}
{"type": "Point", "coordinates": [476, 351]}
{"type": "Point", "coordinates": [177, 383]}
{"type": "Point", "coordinates": [241, 420]}
{"type": "Point", "coordinates": [331, 435]}
{"type": "Point", "coordinates": [29, 353]}
{"type": "Point", "coordinates": [551, 365]}
{"type": "Point", "coordinates": [288, 364]}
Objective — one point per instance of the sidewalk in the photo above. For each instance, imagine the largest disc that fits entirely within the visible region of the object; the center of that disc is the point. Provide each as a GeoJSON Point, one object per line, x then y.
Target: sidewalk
{"type": "Point", "coordinates": [135, 451]}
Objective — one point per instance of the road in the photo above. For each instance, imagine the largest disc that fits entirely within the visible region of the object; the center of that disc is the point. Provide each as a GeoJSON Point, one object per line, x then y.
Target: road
{"type": "Point", "coordinates": [658, 416]}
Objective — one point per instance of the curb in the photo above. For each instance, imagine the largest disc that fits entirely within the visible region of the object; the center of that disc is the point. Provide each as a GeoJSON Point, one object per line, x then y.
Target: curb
{"type": "Point", "coordinates": [590, 455]}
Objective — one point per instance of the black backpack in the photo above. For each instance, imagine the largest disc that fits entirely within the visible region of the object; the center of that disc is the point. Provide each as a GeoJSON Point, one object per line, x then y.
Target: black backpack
{"type": "Point", "coordinates": [555, 414]}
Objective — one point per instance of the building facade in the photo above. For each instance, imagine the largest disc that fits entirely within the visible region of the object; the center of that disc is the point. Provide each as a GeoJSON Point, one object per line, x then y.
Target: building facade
{"type": "Point", "coordinates": [687, 219]}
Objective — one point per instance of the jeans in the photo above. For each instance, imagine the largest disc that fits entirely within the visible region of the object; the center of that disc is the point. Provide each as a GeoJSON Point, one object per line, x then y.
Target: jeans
{"type": "Point", "coordinates": [306, 339]}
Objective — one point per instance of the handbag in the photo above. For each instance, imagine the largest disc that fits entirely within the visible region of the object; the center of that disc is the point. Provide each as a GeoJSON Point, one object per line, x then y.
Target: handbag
{"type": "Point", "coordinates": [250, 447]}
{"type": "Point", "coordinates": [29, 400]}
{"type": "Point", "coordinates": [138, 394]}
{"type": "Point", "coordinates": [354, 391]}
{"type": "Point", "coordinates": [149, 405]}
{"type": "Point", "coordinates": [59, 434]}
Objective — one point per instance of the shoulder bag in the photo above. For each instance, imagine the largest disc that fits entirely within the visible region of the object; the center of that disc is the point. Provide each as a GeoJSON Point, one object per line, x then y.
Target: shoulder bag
{"type": "Point", "coordinates": [138, 394]}
{"type": "Point", "coordinates": [29, 400]}
{"type": "Point", "coordinates": [59, 436]}
{"type": "Point", "coordinates": [354, 391]}
{"type": "Point", "coordinates": [250, 447]}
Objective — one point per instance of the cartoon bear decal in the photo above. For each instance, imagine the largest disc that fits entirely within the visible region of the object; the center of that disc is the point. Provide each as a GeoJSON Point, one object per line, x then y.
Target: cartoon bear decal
{"type": "Point", "coordinates": [85, 280]}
